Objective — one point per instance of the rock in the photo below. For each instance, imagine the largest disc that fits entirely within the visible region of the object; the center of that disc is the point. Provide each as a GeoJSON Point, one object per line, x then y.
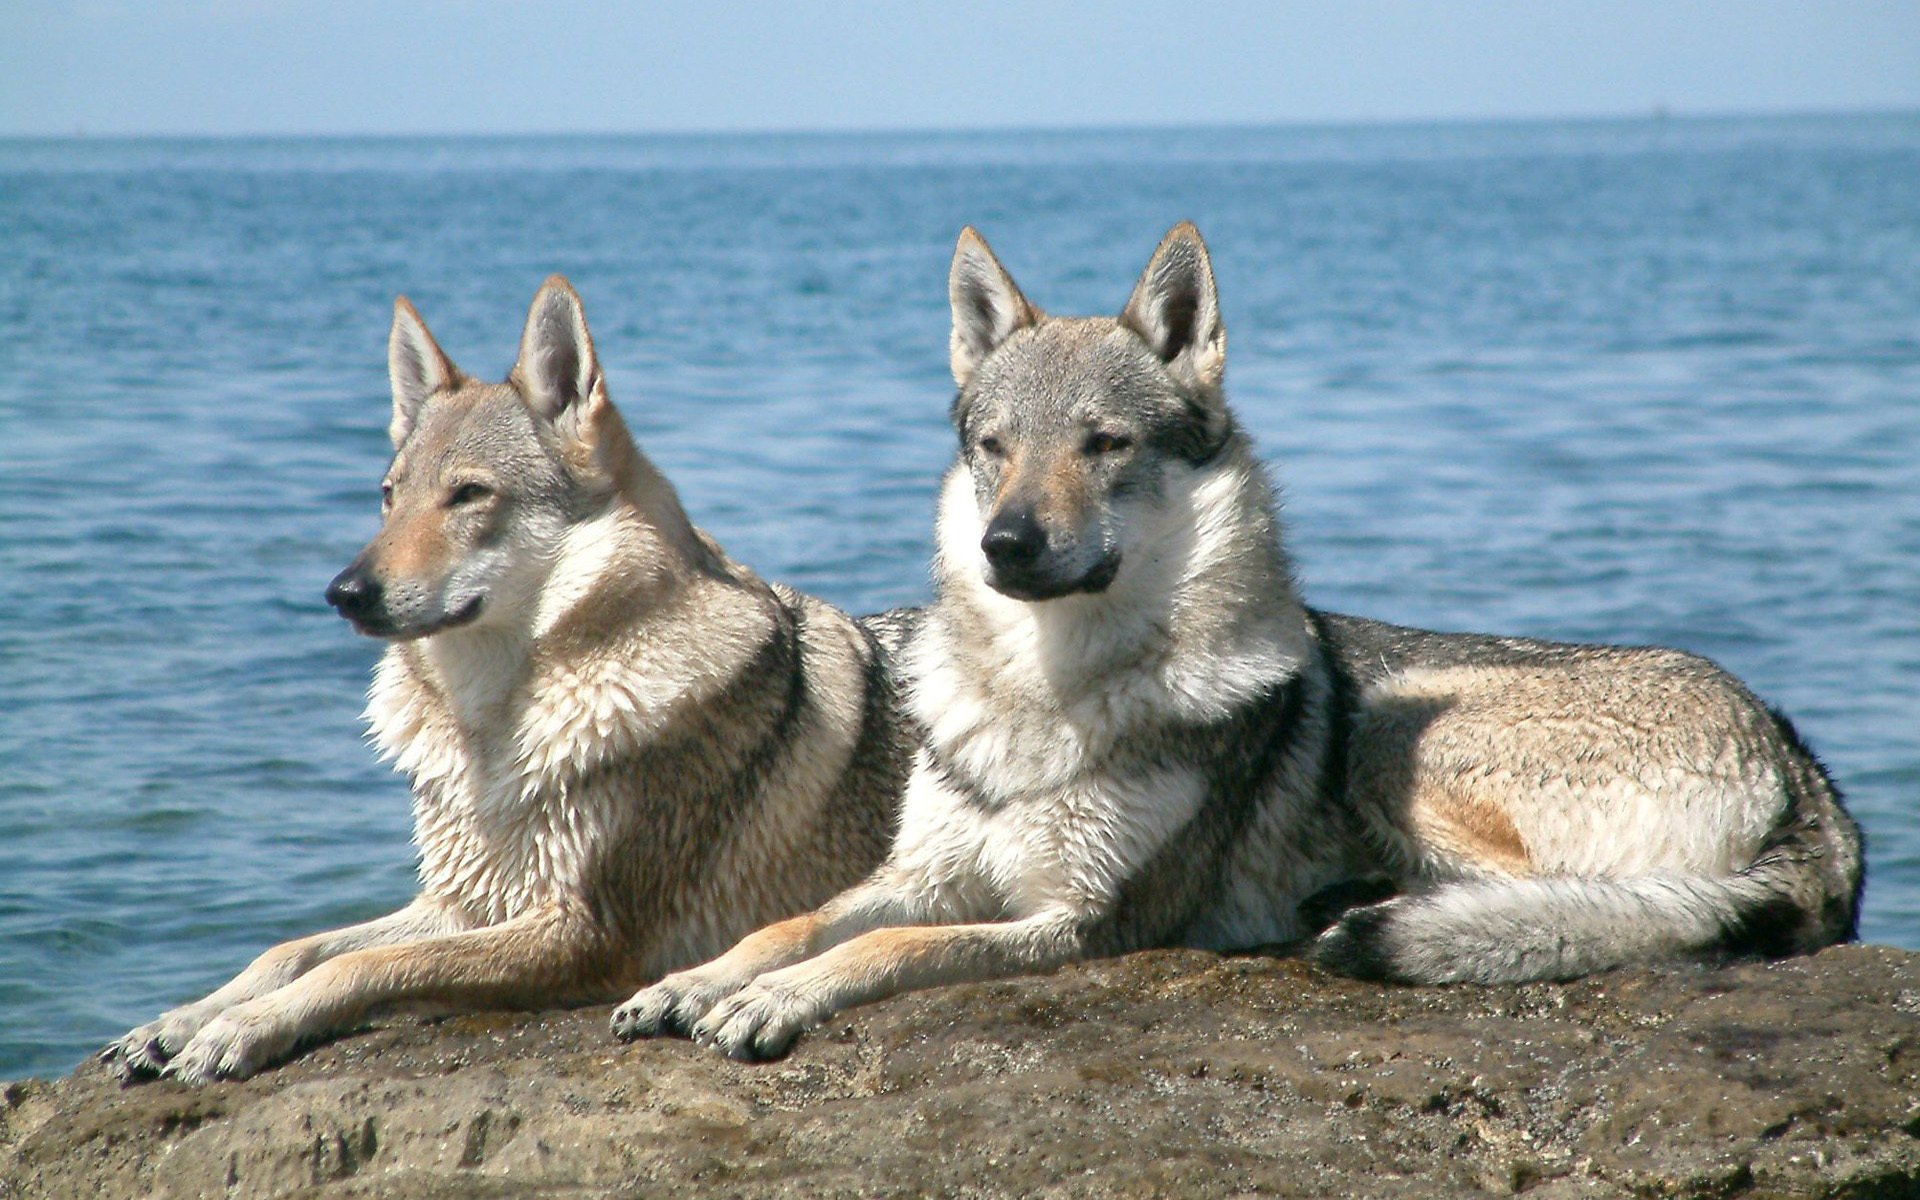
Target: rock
{"type": "Point", "coordinates": [1174, 1073]}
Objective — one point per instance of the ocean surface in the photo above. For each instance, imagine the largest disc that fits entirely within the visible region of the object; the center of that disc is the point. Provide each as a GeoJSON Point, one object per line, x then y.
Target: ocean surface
{"type": "Point", "coordinates": [1635, 381]}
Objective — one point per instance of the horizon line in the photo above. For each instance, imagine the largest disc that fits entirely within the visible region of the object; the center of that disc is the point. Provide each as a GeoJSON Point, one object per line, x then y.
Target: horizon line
{"type": "Point", "coordinates": [1652, 114]}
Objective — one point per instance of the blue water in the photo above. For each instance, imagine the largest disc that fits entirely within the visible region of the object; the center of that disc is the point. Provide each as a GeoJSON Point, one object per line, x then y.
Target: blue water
{"type": "Point", "coordinates": [1633, 381]}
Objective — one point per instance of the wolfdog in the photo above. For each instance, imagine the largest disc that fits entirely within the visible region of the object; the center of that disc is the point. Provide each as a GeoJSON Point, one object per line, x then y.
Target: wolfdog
{"type": "Point", "coordinates": [1138, 735]}
{"type": "Point", "coordinates": [626, 750]}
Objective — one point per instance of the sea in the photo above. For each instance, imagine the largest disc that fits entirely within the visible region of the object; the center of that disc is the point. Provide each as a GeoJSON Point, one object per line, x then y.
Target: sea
{"type": "Point", "coordinates": [1632, 381]}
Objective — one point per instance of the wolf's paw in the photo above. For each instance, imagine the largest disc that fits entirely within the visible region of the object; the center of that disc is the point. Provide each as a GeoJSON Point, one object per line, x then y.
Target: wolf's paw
{"type": "Point", "coordinates": [757, 1023]}
{"type": "Point", "coordinates": [1359, 944]}
{"type": "Point", "coordinates": [1319, 911]}
{"type": "Point", "coordinates": [673, 1005]}
{"type": "Point", "coordinates": [144, 1052]}
{"type": "Point", "coordinates": [234, 1045]}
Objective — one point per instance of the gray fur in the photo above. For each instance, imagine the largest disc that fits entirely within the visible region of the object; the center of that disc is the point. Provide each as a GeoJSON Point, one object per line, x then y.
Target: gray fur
{"type": "Point", "coordinates": [1137, 735]}
{"type": "Point", "coordinates": [626, 750]}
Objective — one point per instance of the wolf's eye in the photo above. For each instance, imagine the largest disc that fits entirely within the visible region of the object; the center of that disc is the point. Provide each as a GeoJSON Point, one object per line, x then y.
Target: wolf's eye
{"type": "Point", "coordinates": [468, 493]}
{"type": "Point", "coordinates": [990, 445]}
{"type": "Point", "coordinates": [1107, 443]}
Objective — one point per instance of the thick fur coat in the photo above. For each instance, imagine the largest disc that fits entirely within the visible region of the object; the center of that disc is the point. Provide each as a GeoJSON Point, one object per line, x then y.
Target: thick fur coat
{"type": "Point", "coordinates": [1138, 735]}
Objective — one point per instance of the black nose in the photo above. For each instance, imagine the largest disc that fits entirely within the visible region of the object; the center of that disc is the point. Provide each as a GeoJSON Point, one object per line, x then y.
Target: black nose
{"type": "Point", "coordinates": [1014, 538]}
{"type": "Point", "coordinates": [353, 592]}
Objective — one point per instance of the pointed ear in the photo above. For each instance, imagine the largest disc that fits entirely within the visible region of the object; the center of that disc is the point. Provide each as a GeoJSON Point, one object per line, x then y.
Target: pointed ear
{"type": "Point", "coordinates": [416, 366]}
{"type": "Point", "coordinates": [1176, 309]}
{"type": "Point", "coordinates": [987, 307]}
{"type": "Point", "coordinates": [557, 370]}
{"type": "Point", "coordinates": [559, 376]}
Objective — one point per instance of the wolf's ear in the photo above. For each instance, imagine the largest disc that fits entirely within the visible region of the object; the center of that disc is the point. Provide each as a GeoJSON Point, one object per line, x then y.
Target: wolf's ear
{"type": "Point", "coordinates": [557, 370]}
{"type": "Point", "coordinates": [417, 367]}
{"type": "Point", "coordinates": [1176, 309]}
{"type": "Point", "coordinates": [987, 307]}
{"type": "Point", "coordinates": [559, 376]}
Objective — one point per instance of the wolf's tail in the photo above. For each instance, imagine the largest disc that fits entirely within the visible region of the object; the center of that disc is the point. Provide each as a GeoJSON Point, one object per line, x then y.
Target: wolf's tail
{"type": "Point", "coordinates": [1801, 892]}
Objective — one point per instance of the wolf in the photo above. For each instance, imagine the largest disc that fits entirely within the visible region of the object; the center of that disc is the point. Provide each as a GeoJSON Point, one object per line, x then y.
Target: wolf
{"type": "Point", "coordinates": [1137, 734]}
{"type": "Point", "coordinates": [626, 750]}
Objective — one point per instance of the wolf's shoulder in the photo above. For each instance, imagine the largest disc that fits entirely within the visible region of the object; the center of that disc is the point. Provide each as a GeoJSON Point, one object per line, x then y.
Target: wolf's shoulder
{"type": "Point", "coordinates": [893, 629]}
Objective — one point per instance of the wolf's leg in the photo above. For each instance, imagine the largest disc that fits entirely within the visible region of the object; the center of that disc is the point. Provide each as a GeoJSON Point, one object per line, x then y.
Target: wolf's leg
{"type": "Point", "coordinates": [888, 897]}
{"type": "Point", "coordinates": [761, 1020]}
{"type": "Point", "coordinates": [145, 1050]}
{"type": "Point", "coordinates": [525, 962]}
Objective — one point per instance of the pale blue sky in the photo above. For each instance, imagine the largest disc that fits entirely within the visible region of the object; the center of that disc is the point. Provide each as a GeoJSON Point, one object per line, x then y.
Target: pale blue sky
{"type": "Point", "coordinates": [494, 66]}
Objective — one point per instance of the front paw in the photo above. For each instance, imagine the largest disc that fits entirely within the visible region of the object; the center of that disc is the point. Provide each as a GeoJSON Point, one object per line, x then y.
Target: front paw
{"type": "Point", "coordinates": [673, 1005]}
{"type": "Point", "coordinates": [144, 1052]}
{"type": "Point", "coordinates": [234, 1045]}
{"type": "Point", "coordinates": [759, 1022]}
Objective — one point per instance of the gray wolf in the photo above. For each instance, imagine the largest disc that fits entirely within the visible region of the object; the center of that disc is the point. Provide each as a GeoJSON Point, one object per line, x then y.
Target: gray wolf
{"type": "Point", "coordinates": [626, 750]}
{"type": "Point", "coordinates": [1138, 735]}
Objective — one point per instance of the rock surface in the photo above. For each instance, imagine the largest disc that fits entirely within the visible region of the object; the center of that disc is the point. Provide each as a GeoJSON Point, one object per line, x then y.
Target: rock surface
{"type": "Point", "coordinates": [1174, 1073]}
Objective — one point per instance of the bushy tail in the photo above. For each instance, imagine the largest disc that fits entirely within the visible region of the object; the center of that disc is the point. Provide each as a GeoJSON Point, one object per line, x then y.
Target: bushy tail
{"type": "Point", "coordinates": [1793, 900]}
{"type": "Point", "coordinates": [1508, 931]}
{"type": "Point", "coordinates": [1801, 892]}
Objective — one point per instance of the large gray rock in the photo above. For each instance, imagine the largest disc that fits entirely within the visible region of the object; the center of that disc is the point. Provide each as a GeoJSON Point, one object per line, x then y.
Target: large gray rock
{"type": "Point", "coordinates": [1163, 1074]}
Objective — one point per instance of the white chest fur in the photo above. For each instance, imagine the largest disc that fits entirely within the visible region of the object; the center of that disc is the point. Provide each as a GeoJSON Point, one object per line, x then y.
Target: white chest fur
{"type": "Point", "coordinates": [1070, 847]}
{"type": "Point", "coordinates": [520, 738]}
{"type": "Point", "coordinates": [1037, 708]}
{"type": "Point", "coordinates": [501, 831]}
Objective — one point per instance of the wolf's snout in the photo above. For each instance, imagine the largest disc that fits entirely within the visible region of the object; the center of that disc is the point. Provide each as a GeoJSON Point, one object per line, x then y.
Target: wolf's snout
{"type": "Point", "coordinates": [1014, 539]}
{"type": "Point", "coordinates": [354, 593]}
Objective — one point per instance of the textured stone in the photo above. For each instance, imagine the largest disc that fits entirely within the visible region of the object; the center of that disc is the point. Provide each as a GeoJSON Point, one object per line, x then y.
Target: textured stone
{"type": "Point", "coordinates": [1172, 1073]}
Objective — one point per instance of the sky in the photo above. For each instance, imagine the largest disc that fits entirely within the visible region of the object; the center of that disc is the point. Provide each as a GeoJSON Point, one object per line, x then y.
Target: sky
{"type": "Point", "coordinates": [225, 67]}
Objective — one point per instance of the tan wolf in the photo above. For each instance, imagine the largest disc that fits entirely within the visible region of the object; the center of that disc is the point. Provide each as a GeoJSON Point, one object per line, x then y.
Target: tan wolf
{"type": "Point", "coordinates": [626, 750]}
{"type": "Point", "coordinates": [1138, 735]}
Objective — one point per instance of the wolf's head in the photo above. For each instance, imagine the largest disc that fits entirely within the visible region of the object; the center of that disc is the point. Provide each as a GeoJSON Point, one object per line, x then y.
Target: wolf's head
{"type": "Point", "coordinates": [1068, 425]}
{"type": "Point", "coordinates": [488, 479]}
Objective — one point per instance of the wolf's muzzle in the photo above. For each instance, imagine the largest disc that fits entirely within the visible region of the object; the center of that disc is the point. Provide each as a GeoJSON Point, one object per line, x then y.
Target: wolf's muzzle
{"type": "Point", "coordinates": [356, 595]}
{"type": "Point", "coordinates": [1014, 540]}
{"type": "Point", "coordinates": [1019, 566]}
